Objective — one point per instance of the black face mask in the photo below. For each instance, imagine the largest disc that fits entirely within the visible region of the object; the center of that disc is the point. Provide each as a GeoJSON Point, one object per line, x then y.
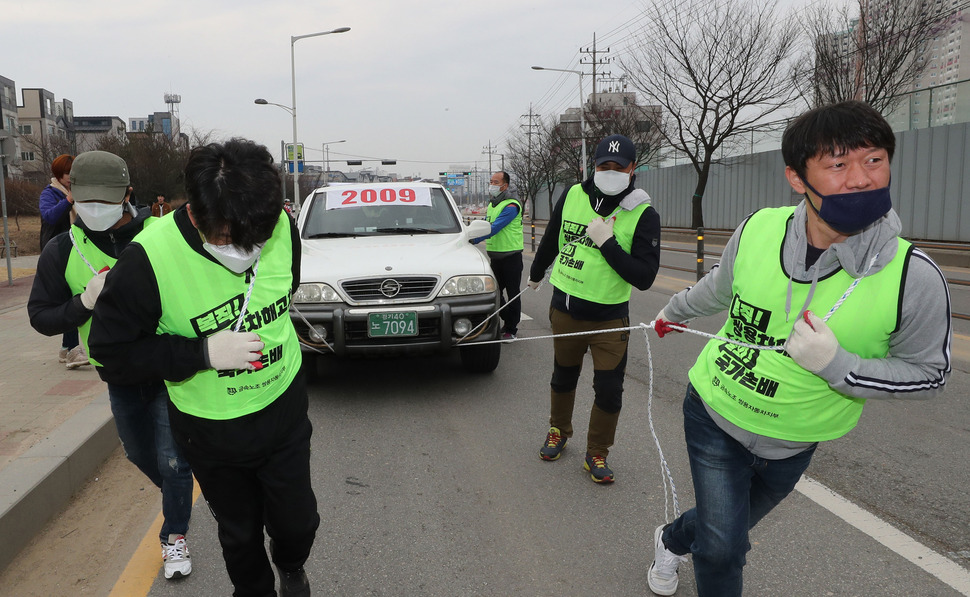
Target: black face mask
{"type": "Point", "coordinates": [850, 213]}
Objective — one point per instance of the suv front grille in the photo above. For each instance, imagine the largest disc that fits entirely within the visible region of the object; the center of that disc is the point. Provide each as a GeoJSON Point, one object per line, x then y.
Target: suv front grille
{"type": "Point", "coordinates": [400, 288]}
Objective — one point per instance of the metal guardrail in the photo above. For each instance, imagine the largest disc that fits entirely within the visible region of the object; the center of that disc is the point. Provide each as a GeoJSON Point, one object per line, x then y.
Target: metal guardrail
{"type": "Point", "coordinates": [536, 228]}
{"type": "Point", "coordinates": [926, 246]}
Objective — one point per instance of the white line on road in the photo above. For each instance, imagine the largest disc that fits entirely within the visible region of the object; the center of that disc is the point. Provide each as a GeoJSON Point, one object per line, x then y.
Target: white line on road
{"type": "Point", "coordinates": [936, 564]}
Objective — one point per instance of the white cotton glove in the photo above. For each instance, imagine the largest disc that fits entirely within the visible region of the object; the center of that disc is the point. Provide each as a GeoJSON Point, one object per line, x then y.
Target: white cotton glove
{"type": "Point", "coordinates": [534, 285]}
{"type": "Point", "coordinates": [600, 230]}
{"type": "Point", "coordinates": [228, 350]}
{"type": "Point", "coordinates": [93, 290]}
{"type": "Point", "coordinates": [812, 343]}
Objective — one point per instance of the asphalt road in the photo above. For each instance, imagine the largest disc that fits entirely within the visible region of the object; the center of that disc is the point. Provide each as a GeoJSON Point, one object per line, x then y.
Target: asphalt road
{"type": "Point", "coordinates": [429, 483]}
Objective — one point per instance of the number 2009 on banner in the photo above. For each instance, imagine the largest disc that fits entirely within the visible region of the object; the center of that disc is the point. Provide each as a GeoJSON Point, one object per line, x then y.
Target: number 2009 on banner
{"type": "Point", "coordinates": [380, 196]}
{"type": "Point", "coordinates": [372, 196]}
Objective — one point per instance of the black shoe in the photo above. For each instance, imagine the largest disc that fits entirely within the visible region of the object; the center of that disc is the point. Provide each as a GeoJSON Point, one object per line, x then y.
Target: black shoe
{"type": "Point", "coordinates": [555, 442]}
{"type": "Point", "coordinates": [294, 584]}
{"type": "Point", "coordinates": [598, 471]}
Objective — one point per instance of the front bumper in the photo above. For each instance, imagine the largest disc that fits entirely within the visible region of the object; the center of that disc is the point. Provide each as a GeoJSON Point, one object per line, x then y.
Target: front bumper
{"type": "Point", "coordinates": [346, 326]}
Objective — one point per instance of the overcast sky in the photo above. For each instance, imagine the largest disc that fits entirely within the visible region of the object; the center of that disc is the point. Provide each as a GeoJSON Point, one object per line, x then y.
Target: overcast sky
{"type": "Point", "coordinates": [429, 83]}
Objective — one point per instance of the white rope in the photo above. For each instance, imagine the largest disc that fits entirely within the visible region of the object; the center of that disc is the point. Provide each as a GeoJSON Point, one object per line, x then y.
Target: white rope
{"type": "Point", "coordinates": [484, 321]}
{"type": "Point", "coordinates": [521, 292]}
{"type": "Point", "coordinates": [851, 287]}
{"type": "Point", "coordinates": [249, 293]}
{"type": "Point", "coordinates": [70, 233]}
{"type": "Point", "coordinates": [665, 473]}
{"type": "Point", "coordinates": [308, 344]}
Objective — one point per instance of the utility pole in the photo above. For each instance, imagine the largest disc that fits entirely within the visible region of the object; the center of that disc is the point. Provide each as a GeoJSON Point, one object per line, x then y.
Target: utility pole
{"type": "Point", "coordinates": [488, 149]}
{"type": "Point", "coordinates": [593, 61]}
{"type": "Point", "coordinates": [530, 184]}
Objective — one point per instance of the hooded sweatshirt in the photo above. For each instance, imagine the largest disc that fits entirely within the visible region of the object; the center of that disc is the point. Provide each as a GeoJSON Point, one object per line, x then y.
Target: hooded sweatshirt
{"type": "Point", "coordinates": [918, 362]}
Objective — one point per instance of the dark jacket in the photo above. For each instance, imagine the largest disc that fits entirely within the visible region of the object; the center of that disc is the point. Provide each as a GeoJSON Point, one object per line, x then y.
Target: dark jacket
{"type": "Point", "coordinates": [639, 267]}
{"type": "Point", "coordinates": [123, 336]}
{"type": "Point", "coordinates": [52, 307]}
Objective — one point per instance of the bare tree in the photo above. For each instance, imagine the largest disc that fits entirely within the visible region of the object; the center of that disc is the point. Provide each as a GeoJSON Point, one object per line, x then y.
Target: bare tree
{"type": "Point", "coordinates": [640, 124]}
{"type": "Point", "coordinates": [717, 70]}
{"type": "Point", "coordinates": [523, 164]}
{"type": "Point", "coordinates": [870, 50]}
{"type": "Point", "coordinates": [155, 161]}
{"type": "Point", "coordinates": [555, 157]}
{"type": "Point", "coordinates": [45, 147]}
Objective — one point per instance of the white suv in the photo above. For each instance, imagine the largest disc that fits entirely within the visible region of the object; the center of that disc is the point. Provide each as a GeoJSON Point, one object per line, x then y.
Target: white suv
{"type": "Point", "coordinates": [387, 269]}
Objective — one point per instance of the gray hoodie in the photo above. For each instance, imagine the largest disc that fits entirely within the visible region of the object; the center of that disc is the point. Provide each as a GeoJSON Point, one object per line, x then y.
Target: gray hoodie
{"type": "Point", "coordinates": [919, 350]}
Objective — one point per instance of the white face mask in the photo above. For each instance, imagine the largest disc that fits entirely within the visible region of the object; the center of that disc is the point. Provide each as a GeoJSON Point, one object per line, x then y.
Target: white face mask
{"type": "Point", "coordinates": [99, 216]}
{"type": "Point", "coordinates": [611, 182]}
{"type": "Point", "coordinates": [494, 190]}
{"type": "Point", "coordinates": [232, 257]}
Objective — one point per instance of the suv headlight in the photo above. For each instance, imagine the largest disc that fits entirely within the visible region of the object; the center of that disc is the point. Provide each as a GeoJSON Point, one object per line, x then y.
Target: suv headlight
{"type": "Point", "coordinates": [462, 285]}
{"type": "Point", "coordinates": [315, 293]}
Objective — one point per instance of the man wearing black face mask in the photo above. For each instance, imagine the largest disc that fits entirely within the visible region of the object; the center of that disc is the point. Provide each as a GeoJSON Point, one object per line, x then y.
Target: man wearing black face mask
{"type": "Point", "coordinates": [602, 240]}
{"type": "Point", "coordinates": [861, 313]}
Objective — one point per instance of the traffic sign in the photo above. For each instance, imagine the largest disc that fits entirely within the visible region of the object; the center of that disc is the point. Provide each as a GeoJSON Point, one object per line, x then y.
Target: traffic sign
{"type": "Point", "coordinates": [289, 157]}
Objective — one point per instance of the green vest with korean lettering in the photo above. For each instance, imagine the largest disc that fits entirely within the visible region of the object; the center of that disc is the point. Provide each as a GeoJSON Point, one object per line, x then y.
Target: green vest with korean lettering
{"type": "Point", "coordinates": [580, 269]}
{"type": "Point", "coordinates": [201, 297]}
{"type": "Point", "coordinates": [78, 274]}
{"type": "Point", "coordinates": [765, 391]}
{"type": "Point", "coordinates": [510, 237]}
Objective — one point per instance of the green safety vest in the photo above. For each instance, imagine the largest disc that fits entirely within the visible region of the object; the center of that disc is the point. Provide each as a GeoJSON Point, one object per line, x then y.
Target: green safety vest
{"type": "Point", "coordinates": [200, 298]}
{"type": "Point", "coordinates": [580, 269]}
{"type": "Point", "coordinates": [765, 391]}
{"type": "Point", "coordinates": [510, 237]}
{"type": "Point", "coordinates": [78, 274]}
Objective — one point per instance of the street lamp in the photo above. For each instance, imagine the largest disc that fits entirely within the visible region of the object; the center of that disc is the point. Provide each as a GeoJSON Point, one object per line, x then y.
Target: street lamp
{"type": "Point", "coordinates": [296, 165]}
{"type": "Point", "coordinates": [582, 120]}
{"type": "Point", "coordinates": [326, 157]}
{"type": "Point", "coordinates": [263, 102]}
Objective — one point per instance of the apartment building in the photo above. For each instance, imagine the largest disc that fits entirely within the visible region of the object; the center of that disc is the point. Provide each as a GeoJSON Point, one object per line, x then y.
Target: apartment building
{"type": "Point", "coordinates": [45, 126]}
{"type": "Point", "coordinates": [8, 116]}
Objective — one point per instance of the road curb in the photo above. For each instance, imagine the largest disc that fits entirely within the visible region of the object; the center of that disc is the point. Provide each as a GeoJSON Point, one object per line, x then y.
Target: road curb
{"type": "Point", "coordinates": [38, 484]}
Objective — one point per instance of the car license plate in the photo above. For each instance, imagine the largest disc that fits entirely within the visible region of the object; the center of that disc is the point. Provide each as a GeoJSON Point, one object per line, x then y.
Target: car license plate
{"type": "Point", "coordinates": [398, 323]}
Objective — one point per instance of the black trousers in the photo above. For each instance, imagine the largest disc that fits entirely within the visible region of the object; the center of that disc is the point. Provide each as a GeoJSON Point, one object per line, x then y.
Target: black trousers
{"type": "Point", "coordinates": [508, 274]}
{"type": "Point", "coordinates": [254, 472]}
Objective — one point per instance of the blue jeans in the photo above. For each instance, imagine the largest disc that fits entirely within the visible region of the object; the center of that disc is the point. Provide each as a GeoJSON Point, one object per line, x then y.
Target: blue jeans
{"type": "Point", "coordinates": [141, 416]}
{"type": "Point", "coordinates": [733, 489]}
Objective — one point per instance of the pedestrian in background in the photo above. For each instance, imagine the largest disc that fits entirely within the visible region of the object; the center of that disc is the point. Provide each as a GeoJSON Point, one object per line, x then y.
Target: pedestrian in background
{"type": "Point", "coordinates": [70, 276]}
{"type": "Point", "coordinates": [754, 418]}
{"type": "Point", "coordinates": [55, 218]}
{"type": "Point", "coordinates": [161, 206]}
{"type": "Point", "coordinates": [504, 245]}
{"type": "Point", "coordinates": [603, 239]}
{"type": "Point", "coordinates": [201, 299]}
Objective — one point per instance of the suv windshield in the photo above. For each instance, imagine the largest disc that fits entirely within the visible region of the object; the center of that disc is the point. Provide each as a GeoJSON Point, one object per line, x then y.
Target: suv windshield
{"type": "Point", "coordinates": [356, 218]}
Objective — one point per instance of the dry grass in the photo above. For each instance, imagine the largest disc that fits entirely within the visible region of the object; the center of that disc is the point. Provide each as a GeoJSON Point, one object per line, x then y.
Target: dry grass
{"type": "Point", "coordinates": [25, 231]}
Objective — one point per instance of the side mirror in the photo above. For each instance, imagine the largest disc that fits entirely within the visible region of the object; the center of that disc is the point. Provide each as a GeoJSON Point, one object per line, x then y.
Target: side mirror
{"type": "Point", "coordinates": [478, 228]}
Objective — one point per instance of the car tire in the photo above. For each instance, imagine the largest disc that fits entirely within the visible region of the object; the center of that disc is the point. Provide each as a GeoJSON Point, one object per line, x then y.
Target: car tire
{"type": "Point", "coordinates": [314, 366]}
{"type": "Point", "coordinates": [480, 358]}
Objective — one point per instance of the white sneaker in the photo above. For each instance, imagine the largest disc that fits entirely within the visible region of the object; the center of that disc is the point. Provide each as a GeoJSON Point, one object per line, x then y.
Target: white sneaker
{"type": "Point", "coordinates": [662, 577]}
{"type": "Point", "coordinates": [175, 555]}
{"type": "Point", "coordinates": [62, 355]}
{"type": "Point", "coordinates": [76, 357]}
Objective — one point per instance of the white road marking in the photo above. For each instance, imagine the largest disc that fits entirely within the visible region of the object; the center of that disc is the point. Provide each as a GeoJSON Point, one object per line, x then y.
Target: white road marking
{"type": "Point", "coordinates": [899, 542]}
